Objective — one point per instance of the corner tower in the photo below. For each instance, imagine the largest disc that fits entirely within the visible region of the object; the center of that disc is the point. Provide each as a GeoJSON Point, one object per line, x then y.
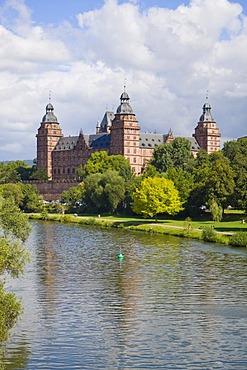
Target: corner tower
{"type": "Point", "coordinates": [125, 134]}
{"type": "Point", "coordinates": [48, 135]}
{"type": "Point", "coordinates": [207, 132]}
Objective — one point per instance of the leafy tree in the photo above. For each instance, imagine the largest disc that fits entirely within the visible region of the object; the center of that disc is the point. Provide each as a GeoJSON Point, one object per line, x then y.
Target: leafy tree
{"type": "Point", "coordinates": [175, 154]}
{"type": "Point", "coordinates": [14, 229]}
{"type": "Point", "coordinates": [31, 201]}
{"type": "Point", "coordinates": [183, 181]}
{"type": "Point", "coordinates": [216, 211]}
{"type": "Point", "coordinates": [156, 195]}
{"type": "Point", "coordinates": [104, 192]}
{"type": "Point", "coordinates": [74, 197]}
{"type": "Point", "coordinates": [214, 180]}
{"type": "Point", "coordinates": [99, 162]}
{"type": "Point", "coordinates": [236, 152]}
{"type": "Point", "coordinates": [23, 195]}
{"type": "Point", "coordinates": [150, 171]}
{"type": "Point", "coordinates": [12, 190]}
{"type": "Point", "coordinates": [161, 158]}
{"type": "Point", "coordinates": [181, 153]}
{"type": "Point", "coordinates": [15, 171]}
{"type": "Point", "coordinates": [39, 174]}
{"type": "Point", "coordinates": [219, 186]}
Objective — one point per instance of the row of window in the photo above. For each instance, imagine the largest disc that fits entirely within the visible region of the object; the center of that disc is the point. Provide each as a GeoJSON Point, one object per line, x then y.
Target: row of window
{"type": "Point", "coordinates": [63, 171]}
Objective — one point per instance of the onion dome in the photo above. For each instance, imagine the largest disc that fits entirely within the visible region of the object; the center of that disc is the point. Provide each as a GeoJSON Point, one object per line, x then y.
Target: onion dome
{"type": "Point", "coordinates": [124, 107]}
{"type": "Point", "coordinates": [206, 115]}
{"type": "Point", "coordinates": [49, 116]}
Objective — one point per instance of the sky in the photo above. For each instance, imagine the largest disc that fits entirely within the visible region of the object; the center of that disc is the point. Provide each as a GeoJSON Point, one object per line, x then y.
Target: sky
{"type": "Point", "coordinates": [170, 55]}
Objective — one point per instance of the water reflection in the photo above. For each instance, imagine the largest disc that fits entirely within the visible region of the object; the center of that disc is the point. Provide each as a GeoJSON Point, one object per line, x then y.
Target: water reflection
{"type": "Point", "coordinates": [170, 303]}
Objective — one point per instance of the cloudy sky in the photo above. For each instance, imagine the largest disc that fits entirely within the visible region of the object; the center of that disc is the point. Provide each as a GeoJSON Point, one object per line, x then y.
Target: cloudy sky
{"type": "Point", "coordinates": [168, 53]}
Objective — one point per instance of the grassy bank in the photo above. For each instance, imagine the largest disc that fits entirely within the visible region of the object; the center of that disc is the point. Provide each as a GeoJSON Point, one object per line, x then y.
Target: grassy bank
{"type": "Point", "coordinates": [201, 229]}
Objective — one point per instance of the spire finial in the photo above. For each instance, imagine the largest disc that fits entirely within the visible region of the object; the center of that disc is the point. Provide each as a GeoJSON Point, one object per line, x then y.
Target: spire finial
{"type": "Point", "coordinates": [49, 96]}
{"type": "Point", "coordinates": [124, 84]}
{"type": "Point", "coordinates": [207, 92]}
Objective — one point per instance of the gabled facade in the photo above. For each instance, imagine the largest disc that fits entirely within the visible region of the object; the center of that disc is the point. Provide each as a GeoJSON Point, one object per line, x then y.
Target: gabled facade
{"type": "Point", "coordinates": [117, 133]}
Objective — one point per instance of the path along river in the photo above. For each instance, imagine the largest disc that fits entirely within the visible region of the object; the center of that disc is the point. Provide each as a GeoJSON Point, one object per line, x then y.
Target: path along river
{"type": "Point", "coordinates": [170, 303]}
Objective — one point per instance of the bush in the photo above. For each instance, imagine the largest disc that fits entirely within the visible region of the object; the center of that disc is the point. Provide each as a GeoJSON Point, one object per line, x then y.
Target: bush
{"type": "Point", "coordinates": [209, 234]}
{"type": "Point", "coordinates": [239, 239]}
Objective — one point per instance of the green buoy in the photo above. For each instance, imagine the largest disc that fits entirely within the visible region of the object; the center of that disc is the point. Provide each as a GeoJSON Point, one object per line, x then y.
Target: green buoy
{"type": "Point", "coordinates": [120, 256]}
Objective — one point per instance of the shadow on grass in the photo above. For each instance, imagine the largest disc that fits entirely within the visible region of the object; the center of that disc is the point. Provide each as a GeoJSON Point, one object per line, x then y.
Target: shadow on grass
{"type": "Point", "coordinates": [230, 229]}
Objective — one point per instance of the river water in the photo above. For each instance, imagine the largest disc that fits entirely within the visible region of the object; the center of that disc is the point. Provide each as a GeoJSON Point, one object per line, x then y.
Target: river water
{"type": "Point", "coordinates": [170, 303]}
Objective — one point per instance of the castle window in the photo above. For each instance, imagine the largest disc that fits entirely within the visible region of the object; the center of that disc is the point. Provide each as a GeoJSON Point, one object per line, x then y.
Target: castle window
{"type": "Point", "coordinates": [73, 170]}
{"type": "Point", "coordinates": [59, 171]}
{"type": "Point", "coordinates": [134, 159]}
{"type": "Point", "coordinates": [68, 170]}
{"type": "Point", "coordinates": [54, 171]}
{"type": "Point", "coordinates": [63, 170]}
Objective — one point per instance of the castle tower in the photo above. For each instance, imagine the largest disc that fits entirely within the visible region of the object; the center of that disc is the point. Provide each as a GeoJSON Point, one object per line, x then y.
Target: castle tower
{"type": "Point", "coordinates": [48, 135]}
{"type": "Point", "coordinates": [125, 134]}
{"type": "Point", "coordinates": [207, 133]}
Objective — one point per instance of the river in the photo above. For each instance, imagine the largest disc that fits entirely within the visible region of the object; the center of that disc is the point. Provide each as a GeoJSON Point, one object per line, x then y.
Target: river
{"type": "Point", "coordinates": [170, 303]}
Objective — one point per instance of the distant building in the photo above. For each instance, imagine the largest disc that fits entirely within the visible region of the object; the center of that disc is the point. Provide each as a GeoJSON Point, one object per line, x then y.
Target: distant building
{"type": "Point", "coordinates": [117, 133]}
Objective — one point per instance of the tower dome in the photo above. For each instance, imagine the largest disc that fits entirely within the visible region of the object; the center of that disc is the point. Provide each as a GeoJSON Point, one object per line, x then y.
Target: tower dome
{"type": "Point", "coordinates": [124, 107]}
{"type": "Point", "coordinates": [206, 115]}
{"type": "Point", "coordinates": [49, 116]}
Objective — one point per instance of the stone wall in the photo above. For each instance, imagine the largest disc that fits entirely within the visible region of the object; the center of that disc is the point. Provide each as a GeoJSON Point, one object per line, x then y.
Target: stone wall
{"type": "Point", "coordinates": [52, 190]}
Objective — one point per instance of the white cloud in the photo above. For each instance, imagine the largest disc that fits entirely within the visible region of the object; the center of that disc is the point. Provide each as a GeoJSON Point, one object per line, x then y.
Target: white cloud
{"type": "Point", "coordinates": [169, 59]}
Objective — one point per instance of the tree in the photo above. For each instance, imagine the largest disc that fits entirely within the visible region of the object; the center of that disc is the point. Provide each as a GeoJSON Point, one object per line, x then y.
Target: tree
{"type": "Point", "coordinates": [161, 158]}
{"type": "Point", "coordinates": [14, 229]}
{"type": "Point", "coordinates": [214, 181]}
{"type": "Point", "coordinates": [39, 174]}
{"type": "Point", "coordinates": [73, 197]}
{"type": "Point", "coordinates": [175, 154]}
{"type": "Point", "coordinates": [216, 211]}
{"type": "Point", "coordinates": [236, 152]}
{"type": "Point", "coordinates": [219, 186]}
{"type": "Point", "coordinates": [23, 195]}
{"type": "Point", "coordinates": [183, 181]}
{"type": "Point", "coordinates": [99, 162]}
{"type": "Point", "coordinates": [156, 195]}
{"type": "Point", "coordinates": [181, 153]}
{"type": "Point", "coordinates": [104, 192]}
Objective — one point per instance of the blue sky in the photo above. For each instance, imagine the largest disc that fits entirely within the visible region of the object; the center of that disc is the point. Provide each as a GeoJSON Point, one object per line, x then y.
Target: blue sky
{"type": "Point", "coordinates": [170, 53]}
{"type": "Point", "coordinates": [54, 11]}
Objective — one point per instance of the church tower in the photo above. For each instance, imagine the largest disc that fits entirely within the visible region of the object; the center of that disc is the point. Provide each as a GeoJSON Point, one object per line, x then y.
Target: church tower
{"type": "Point", "coordinates": [207, 133]}
{"type": "Point", "coordinates": [48, 135]}
{"type": "Point", "coordinates": [125, 134]}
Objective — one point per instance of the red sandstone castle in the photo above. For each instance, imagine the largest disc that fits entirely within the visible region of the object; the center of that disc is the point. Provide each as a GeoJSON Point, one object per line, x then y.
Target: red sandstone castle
{"type": "Point", "coordinates": [118, 133]}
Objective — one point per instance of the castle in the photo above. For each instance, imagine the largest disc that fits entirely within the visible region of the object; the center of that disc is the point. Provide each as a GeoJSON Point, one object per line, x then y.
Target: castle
{"type": "Point", "coordinates": [117, 133]}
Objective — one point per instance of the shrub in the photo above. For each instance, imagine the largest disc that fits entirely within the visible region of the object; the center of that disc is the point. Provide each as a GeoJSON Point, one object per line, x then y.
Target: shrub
{"type": "Point", "coordinates": [209, 234]}
{"type": "Point", "coordinates": [239, 239]}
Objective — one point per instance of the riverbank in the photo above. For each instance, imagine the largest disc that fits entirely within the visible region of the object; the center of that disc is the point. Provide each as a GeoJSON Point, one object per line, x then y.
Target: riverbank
{"type": "Point", "coordinates": [220, 232]}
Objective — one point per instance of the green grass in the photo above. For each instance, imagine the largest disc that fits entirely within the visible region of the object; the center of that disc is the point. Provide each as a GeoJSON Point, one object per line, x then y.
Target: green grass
{"type": "Point", "coordinates": [231, 224]}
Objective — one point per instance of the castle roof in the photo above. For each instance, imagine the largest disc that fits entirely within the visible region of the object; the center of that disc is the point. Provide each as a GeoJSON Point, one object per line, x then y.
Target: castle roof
{"type": "Point", "coordinates": [206, 115]}
{"type": "Point", "coordinates": [124, 107]}
{"type": "Point", "coordinates": [49, 116]}
{"type": "Point", "coordinates": [106, 121]}
{"type": "Point", "coordinates": [66, 143]}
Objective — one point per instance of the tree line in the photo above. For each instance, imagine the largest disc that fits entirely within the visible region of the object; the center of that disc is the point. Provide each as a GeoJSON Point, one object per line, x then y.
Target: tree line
{"type": "Point", "coordinates": [174, 182]}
